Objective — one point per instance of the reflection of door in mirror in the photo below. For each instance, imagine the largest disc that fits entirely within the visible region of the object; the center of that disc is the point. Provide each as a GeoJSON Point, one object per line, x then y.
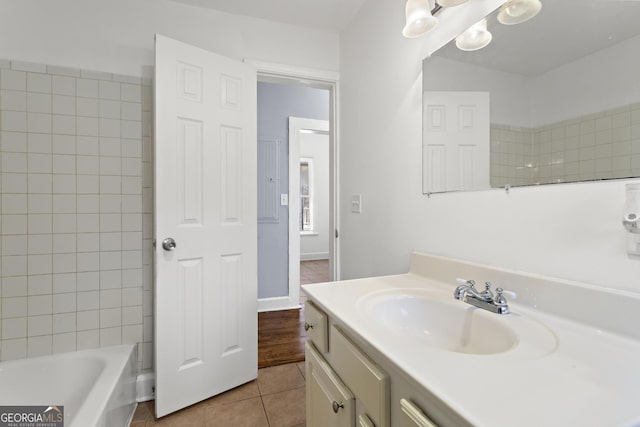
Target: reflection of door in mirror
{"type": "Point", "coordinates": [455, 141]}
{"type": "Point", "coordinates": [306, 194]}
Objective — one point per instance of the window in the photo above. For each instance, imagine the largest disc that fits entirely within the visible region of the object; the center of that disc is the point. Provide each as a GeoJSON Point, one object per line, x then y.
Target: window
{"type": "Point", "coordinates": [306, 194]}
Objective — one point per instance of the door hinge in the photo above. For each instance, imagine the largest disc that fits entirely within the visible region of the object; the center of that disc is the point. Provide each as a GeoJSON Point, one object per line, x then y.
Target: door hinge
{"type": "Point", "coordinates": [336, 233]}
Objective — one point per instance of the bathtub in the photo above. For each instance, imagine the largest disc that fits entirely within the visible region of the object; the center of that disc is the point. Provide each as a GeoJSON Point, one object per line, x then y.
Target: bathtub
{"type": "Point", "coordinates": [96, 387]}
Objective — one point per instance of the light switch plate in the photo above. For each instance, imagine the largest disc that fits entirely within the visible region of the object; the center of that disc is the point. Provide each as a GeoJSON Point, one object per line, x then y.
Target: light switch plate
{"type": "Point", "coordinates": [284, 200]}
{"type": "Point", "coordinates": [356, 203]}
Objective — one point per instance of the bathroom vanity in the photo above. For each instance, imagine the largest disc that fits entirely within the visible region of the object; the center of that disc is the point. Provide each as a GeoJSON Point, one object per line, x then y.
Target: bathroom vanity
{"type": "Point", "coordinates": [401, 351]}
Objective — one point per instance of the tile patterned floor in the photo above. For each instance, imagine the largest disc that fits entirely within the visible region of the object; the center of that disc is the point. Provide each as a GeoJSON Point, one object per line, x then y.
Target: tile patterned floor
{"type": "Point", "coordinates": [275, 399]}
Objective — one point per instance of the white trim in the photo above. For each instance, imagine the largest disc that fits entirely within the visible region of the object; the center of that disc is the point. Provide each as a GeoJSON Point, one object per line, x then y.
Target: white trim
{"type": "Point", "coordinates": [278, 303]}
{"type": "Point", "coordinates": [282, 70]}
{"type": "Point", "coordinates": [145, 385]}
{"type": "Point", "coordinates": [314, 256]}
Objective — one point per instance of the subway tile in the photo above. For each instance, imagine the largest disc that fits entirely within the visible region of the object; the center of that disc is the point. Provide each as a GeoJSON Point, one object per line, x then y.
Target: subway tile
{"type": "Point", "coordinates": [14, 328]}
{"type": "Point", "coordinates": [132, 334]}
{"type": "Point", "coordinates": [110, 336]}
{"type": "Point", "coordinates": [14, 245]}
{"type": "Point", "coordinates": [110, 317]}
{"type": "Point", "coordinates": [14, 162]}
{"type": "Point", "coordinates": [110, 241]}
{"type": "Point", "coordinates": [132, 222]}
{"type": "Point", "coordinates": [126, 79]}
{"type": "Point", "coordinates": [40, 244]}
{"type": "Point", "coordinates": [109, 90]}
{"type": "Point", "coordinates": [147, 329]}
{"type": "Point", "coordinates": [39, 346]}
{"type": "Point", "coordinates": [88, 165]}
{"type": "Point", "coordinates": [40, 203]}
{"type": "Point", "coordinates": [89, 300]}
{"type": "Point", "coordinates": [14, 287]}
{"type": "Point", "coordinates": [110, 185]}
{"type": "Point", "coordinates": [132, 297]}
{"type": "Point", "coordinates": [63, 71]}
{"type": "Point", "coordinates": [110, 279]}
{"type": "Point", "coordinates": [147, 149]}
{"type": "Point", "coordinates": [87, 320]}
{"type": "Point", "coordinates": [130, 111]}
{"type": "Point", "coordinates": [88, 261]}
{"type": "Point", "coordinates": [64, 125]}
{"type": "Point", "coordinates": [14, 204]}
{"type": "Point", "coordinates": [109, 109]}
{"type": "Point", "coordinates": [13, 100]}
{"type": "Point", "coordinates": [15, 142]}
{"type": "Point", "coordinates": [87, 88]}
{"type": "Point", "coordinates": [131, 92]}
{"type": "Point", "coordinates": [40, 183]}
{"type": "Point", "coordinates": [14, 349]}
{"type": "Point", "coordinates": [88, 203]}
{"type": "Point", "coordinates": [110, 128]}
{"type": "Point", "coordinates": [110, 203]}
{"type": "Point", "coordinates": [14, 265]}
{"type": "Point", "coordinates": [13, 80]}
{"type": "Point", "coordinates": [110, 223]}
{"type": "Point", "coordinates": [64, 203]}
{"type": "Point", "coordinates": [87, 107]}
{"type": "Point", "coordinates": [88, 339]}
{"type": "Point", "coordinates": [111, 260]}
{"type": "Point", "coordinates": [87, 126]}
{"type": "Point", "coordinates": [39, 143]}
{"type": "Point", "coordinates": [131, 147]}
{"type": "Point", "coordinates": [14, 183]}
{"type": "Point", "coordinates": [39, 122]}
{"type": "Point", "coordinates": [110, 146]}
{"type": "Point", "coordinates": [39, 163]}
{"type": "Point", "coordinates": [131, 204]}
{"type": "Point", "coordinates": [14, 307]}
{"type": "Point", "coordinates": [88, 281]}
{"type": "Point", "coordinates": [110, 165]}
{"type": "Point", "coordinates": [147, 303]}
{"type": "Point", "coordinates": [63, 164]}
{"type": "Point", "coordinates": [64, 223]}
{"type": "Point", "coordinates": [132, 240]}
{"type": "Point", "coordinates": [88, 242]}
{"type": "Point", "coordinates": [39, 264]}
{"type": "Point", "coordinates": [64, 282]}
{"type": "Point", "coordinates": [132, 278]}
{"type": "Point", "coordinates": [64, 303]}
{"type": "Point", "coordinates": [64, 322]}
{"type": "Point", "coordinates": [131, 166]}
{"type": "Point", "coordinates": [131, 259]}
{"type": "Point", "coordinates": [64, 184]}
{"type": "Point", "coordinates": [40, 223]}
{"type": "Point", "coordinates": [131, 185]}
{"type": "Point", "coordinates": [98, 75]}
{"type": "Point", "coordinates": [88, 184]}
{"type": "Point", "coordinates": [64, 144]}
{"type": "Point", "coordinates": [39, 102]}
{"type": "Point", "coordinates": [63, 343]}
{"type": "Point", "coordinates": [13, 121]}
{"type": "Point", "coordinates": [40, 304]}
{"type": "Point", "coordinates": [28, 66]}
{"type": "Point", "coordinates": [131, 129]}
{"type": "Point", "coordinates": [63, 85]}
{"type": "Point", "coordinates": [64, 263]}
{"type": "Point", "coordinates": [39, 325]}
{"type": "Point", "coordinates": [88, 145]}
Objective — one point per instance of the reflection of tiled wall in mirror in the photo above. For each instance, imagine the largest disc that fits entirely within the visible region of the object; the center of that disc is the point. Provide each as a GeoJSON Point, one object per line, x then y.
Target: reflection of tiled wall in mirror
{"type": "Point", "coordinates": [602, 145]}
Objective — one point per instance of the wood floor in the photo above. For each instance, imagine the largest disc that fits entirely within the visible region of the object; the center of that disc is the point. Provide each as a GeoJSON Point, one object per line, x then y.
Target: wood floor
{"type": "Point", "coordinates": [281, 334]}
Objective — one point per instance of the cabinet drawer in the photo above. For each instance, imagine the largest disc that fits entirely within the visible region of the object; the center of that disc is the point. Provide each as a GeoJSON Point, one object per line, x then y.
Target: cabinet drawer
{"type": "Point", "coordinates": [362, 376]}
{"type": "Point", "coordinates": [316, 326]}
{"type": "Point", "coordinates": [329, 401]}
{"type": "Point", "coordinates": [412, 416]}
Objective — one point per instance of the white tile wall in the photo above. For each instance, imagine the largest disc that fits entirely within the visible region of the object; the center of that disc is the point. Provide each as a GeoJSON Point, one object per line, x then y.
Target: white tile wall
{"type": "Point", "coordinates": [603, 145]}
{"type": "Point", "coordinates": [76, 186]}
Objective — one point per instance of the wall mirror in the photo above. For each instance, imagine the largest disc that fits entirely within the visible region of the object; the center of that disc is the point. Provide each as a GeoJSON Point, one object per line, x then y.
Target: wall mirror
{"type": "Point", "coordinates": [551, 100]}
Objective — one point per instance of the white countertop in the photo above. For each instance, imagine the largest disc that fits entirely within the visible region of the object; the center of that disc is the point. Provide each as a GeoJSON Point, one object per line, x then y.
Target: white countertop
{"type": "Point", "coordinates": [561, 373]}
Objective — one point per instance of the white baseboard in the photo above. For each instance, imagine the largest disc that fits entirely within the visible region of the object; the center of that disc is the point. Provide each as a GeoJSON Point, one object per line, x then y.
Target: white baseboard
{"type": "Point", "coordinates": [145, 387]}
{"type": "Point", "coordinates": [314, 256]}
{"type": "Point", "coordinates": [277, 303]}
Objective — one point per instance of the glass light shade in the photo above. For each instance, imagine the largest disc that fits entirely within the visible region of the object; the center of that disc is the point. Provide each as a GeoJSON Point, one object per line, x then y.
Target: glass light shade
{"type": "Point", "coordinates": [518, 11]}
{"type": "Point", "coordinates": [450, 3]}
{"type": "Point", "coordinates": [475, 37]}
{"type": "Point", "coordinates": [419, 18]}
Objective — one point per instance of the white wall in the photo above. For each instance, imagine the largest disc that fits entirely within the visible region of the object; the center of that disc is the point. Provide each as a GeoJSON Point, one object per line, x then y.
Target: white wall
{"type": "Point", "coordinates": [316, 147]}
{"type": "Point", "coordinates": [569, 231]}
{"type": "Point", "coordinates": [118, 35]}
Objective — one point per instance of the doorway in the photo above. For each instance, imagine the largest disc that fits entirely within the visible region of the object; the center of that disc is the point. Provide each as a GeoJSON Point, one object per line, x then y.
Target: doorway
{"type": "Point", "coordinates": [279, 275]}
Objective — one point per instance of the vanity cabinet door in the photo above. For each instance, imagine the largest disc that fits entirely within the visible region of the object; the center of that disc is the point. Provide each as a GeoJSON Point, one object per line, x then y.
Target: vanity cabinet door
{"type": "Point", "coordinates": [412, 416]}
{"type": "Point", "coordinates": [329, 401]}
{"type": "Point", "coordinates": [315, 325]}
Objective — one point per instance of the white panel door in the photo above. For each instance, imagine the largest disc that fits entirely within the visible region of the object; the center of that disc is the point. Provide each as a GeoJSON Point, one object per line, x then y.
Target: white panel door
{"type": "Point", "coordinates": [455, 141]}
{"type": "Point", "coordinates": [205, 199]}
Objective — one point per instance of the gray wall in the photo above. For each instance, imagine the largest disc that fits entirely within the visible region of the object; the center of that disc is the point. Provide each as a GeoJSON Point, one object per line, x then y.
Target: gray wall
{"type": "Point", "coordinates": [276, 103]}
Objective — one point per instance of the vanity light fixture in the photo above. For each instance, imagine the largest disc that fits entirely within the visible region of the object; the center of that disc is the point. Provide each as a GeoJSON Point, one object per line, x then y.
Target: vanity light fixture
{"type": "Point", "coordinates": [475, 37]}
{"type": "Point", "coordinates": [518, 11]}
{"type": "Point", "coordinates": [419, 18]}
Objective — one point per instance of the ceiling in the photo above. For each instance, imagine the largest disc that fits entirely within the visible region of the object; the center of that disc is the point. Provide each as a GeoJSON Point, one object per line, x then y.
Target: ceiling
{"type": "Point", "coordinates": [326, 15]}
{"type": "Point", "coordinates": [563, 31]}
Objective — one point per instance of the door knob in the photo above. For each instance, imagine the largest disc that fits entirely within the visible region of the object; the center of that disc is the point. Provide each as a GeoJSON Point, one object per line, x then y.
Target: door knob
{"type": "Point", "coordinates": [168, 244]}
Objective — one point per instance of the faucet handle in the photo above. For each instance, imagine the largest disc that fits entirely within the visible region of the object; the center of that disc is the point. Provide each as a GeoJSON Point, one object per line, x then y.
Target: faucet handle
{"type": "Point", "coordinates": [499, 299]}
{"type": "Point", "coordinates": [461, 281]}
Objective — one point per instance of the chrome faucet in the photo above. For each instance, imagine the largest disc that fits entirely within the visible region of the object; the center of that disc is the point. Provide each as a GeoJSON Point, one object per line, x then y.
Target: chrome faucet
{"type": "Point", "coordinates": [486, 300]}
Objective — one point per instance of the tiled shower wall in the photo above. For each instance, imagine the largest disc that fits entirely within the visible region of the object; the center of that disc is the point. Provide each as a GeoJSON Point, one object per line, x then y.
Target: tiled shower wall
{"type": "Point", "coordinates": [597, 146]}
{"type": "Point", "coordinates": [76, 184]}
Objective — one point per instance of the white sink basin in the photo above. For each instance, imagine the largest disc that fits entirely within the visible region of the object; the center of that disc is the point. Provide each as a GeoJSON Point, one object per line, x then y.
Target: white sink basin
{"type": "Point", "coordinates": [448, 325]}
